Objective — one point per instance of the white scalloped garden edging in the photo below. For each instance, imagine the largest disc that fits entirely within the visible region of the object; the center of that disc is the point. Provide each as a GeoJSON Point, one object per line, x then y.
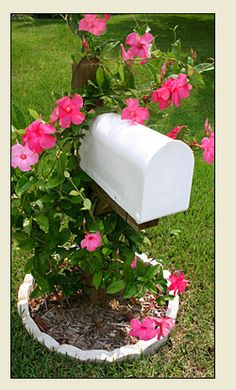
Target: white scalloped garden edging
{"type": "Point", "coordinates": [98, 355]}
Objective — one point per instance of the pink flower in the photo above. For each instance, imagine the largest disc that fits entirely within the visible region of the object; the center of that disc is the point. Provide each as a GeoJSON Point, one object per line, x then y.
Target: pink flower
{"type": "Point", "coordinates": [92, 24]}
{"type": "Point", "coordinates": [91, 241]}
{"type": "Point", "coordinates": [134, 112]}
{"type": "Point", "coordinates": [161, 96]}
{"type": "Point", "coordinates": [145, 330]}
{"type": "Point", "coordinates": [134, 263]}
{"type": "Point", "coordinates": [178, 283]}
{"type": "Point", "coordinates": [164, 326]}
{"type": "Point", "coordinates": [179, 89]}
{"type": "Point", "coordinates": [208, 147]}
{"type": "Point", "coordinates": [140, 47]}
{"type": "Point", "coordinates": [68, 111]}
{"type": "Point", "coordinates": [38, 136]}
{"type": "Point", "coordinates": [23, 157]}
{"type": "Point", "coordinates": [172, 91]}
{"type": "Point", "coordinates": [174, 132]}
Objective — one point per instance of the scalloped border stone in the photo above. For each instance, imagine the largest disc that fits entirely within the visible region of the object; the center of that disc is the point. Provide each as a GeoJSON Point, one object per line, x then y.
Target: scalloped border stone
{"type": "Point", "coordinates": [96, 355]}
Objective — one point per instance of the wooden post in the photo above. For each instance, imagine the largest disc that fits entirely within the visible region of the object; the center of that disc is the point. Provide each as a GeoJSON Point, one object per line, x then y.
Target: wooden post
{"type": "Point", "coordinates": [83, 71]}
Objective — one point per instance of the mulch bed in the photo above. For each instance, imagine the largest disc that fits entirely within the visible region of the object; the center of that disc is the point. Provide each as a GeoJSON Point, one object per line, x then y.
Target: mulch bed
{"type": "Point", "coordinates": [87, 324]}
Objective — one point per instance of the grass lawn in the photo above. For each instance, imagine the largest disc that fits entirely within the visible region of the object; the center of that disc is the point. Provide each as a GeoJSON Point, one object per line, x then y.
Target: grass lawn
{"type": "Point", "coordinates": [41, 64]}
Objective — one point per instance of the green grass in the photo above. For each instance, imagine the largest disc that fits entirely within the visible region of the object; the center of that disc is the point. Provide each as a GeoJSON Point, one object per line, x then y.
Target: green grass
{"type": "Point", "coordinates": [40, 64]}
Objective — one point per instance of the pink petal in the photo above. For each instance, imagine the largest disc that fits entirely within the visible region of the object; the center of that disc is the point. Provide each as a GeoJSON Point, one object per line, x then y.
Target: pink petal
{"type": "Point", "coordinates": [65, 122]}
{"type": "Point", "coordinates": [142, 114]}
{"type": "Point", "coordinates": [135, 323]}
{"type": "Point", "coordinates": [77, 119]}
{"type": "Point", "coordinates": [63, 102]}
{"type": "Point", "coordinates": [47, 141]}
{"type": "Point", "coordinates": [77, 101]}
{"type": "Point", "coordinates": [147, 37]}
{"type": "Point", "coordinates": [132, 39]}
{"type": "Point", "coordinates": [132, 103]}
{"type": "Point", "coordinates": [46, 128]}
{"type": "Point", "coordinates": [125, 113]}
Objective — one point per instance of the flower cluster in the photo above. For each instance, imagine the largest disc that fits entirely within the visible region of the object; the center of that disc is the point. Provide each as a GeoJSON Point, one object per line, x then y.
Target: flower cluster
{"type": "Point", "coordinates": [149, 327]}
{"type": "Point", "coordinates": [172, 91]}
{"type": "Point", "coordinates": [68, 111]}
{"type": "Point", "coordinates": [135, 113]}
{"type": "Point", "coordinates": [40, 136]}
{"type": "Point", "coordinates": [36, 138]}
{"type": "Point", "coordinates": [139, 47]}
{"type": "Point", "coordinates": [93, 24]}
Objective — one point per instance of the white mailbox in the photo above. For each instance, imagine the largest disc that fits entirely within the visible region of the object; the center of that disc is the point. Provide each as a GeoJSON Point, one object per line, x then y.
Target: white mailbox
{"type": "Point", "coordinates": [146, 173]}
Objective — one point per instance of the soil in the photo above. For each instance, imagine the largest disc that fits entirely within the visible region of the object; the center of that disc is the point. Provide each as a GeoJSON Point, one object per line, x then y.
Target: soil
{"type": "Point", "coordinates": [88, 324]}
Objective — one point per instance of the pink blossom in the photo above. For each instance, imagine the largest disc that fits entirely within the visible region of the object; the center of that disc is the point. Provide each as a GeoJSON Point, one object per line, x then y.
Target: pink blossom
{"type": "Point", "coordinates": [178, 283]}
{"type": "Point", "coordinates": [164, 326]}
{"type": "Point", "coordinates": [172, 91]}
{"type": "Point", "coordinates": [174, 132]}
{"type": "Point", "coordinates": [38, 136]}
{"type": "Point", "coordinates": [208, 146]}
{"type": "Point", "coordinates": [23, 157]}
{"type": "Point", "coordinates": [134, 112]}
{"type": "Point", "coordinates": [145, 330]}
{"type": "Point", "coordinates": [91, 241]}
{"type": "Point", "coordinates": [134, 263]}
{"type": "Point", "coordinates": [68, 111]}
{"type": "Point", "coordinates": [161, 96]}
{"type": "Point", "coordinates": [180, 89]}
{"type": "Point", "coordinates": [93, 24]}
{"type": "Point", "coordinates": [140, 46]}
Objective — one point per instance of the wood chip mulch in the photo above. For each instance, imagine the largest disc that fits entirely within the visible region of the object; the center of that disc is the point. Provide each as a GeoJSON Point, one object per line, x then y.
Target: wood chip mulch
{"type": "Point", "coordinates": [92, 325]}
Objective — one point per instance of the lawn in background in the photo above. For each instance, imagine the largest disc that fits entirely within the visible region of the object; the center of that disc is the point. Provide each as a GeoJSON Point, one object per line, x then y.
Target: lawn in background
{"type": "Point", "coordinates": [41, 63]}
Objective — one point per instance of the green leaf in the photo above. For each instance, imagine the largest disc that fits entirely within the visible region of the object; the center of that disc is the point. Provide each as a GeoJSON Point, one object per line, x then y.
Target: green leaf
{"type": "Point", "coordinates": [151, 286]}
{"type": "Point", "coordinates": [116, 286]}
{"type": "Point", "coordinates": [61, 164]}
{"type": "Point", "coordinates": [130, 290]}
{"type": "Point", "coordinates": [87, 204]}
{"type": "Point", "coordinates": [33, 113]}
{"type": "Point", "coordinates": [29, 265]}
{"type": "Point", "coordinates": [43, 284]}
{"type": "Point", "coordinates": [106, 251]}
{"type": "Point", "coordinates": [24, 184]}
{"type": "Point", "coordinates": [100, 76]}
{"type": "Point", "coordinates": [153, 270]}
{"type": "Point", "coordinates": [76, 200]}
{"type": "Point", "coordinates": [42, 221]}
{"type": "Point", "coordinates": [18, 118]}
{"type": "Point", "coordinates": [74, 193]}
{"type": "Point", "coordinates": [204, 67]}
{"type": "Point", "coordinates": [121, 72]}
{"type": "Point", "coordinates": [97, 278]}
{"type": "Point", "coordinates": [54, 182]}
{"type": "Point", "coordinates": [66, 174]}
{"type": "Point", "coordinates": [36, 293]}
{"type": "Point", "coordinates": [19, 236]}
{"type": "Point", "coordinates": [196, 80]}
